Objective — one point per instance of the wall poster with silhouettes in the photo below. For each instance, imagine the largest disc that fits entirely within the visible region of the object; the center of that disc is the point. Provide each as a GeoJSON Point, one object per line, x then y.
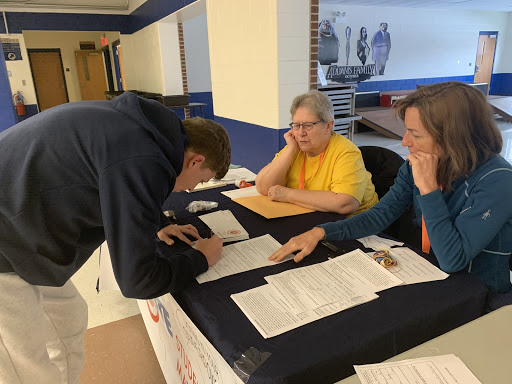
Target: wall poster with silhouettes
{"type": "Point", "coordinates": [338, 62]}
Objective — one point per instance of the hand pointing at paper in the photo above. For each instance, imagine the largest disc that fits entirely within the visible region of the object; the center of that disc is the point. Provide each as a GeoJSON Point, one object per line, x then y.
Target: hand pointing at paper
{"type": "Point", "coordinates": [305, 243]}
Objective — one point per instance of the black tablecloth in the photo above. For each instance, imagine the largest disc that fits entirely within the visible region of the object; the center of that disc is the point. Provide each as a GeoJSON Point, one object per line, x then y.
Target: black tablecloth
{"type": "Point", "coordinates": [323, 351]}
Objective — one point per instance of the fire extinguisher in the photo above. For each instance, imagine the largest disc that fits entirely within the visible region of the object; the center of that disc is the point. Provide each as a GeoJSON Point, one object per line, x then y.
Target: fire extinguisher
{"type": "Point", "coordinates": [19, 103]}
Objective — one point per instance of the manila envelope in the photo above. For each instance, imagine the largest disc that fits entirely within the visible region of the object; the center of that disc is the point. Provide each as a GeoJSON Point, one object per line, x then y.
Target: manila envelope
{"type": "Point", "coordinates": [271, 209]}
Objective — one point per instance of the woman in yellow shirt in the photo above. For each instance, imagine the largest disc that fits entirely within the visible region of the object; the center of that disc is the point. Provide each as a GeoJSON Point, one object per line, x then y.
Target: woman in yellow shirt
{"type": "Point", "coordinates": [318, 168]}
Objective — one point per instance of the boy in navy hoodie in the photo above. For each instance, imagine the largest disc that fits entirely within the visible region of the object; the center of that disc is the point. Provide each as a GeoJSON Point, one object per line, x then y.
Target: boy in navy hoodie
{"type": "Point", "coordinates": [72, 177]}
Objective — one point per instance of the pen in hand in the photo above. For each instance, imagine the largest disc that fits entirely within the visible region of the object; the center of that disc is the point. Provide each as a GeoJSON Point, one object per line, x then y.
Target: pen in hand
{"type": "Point", "coordinates": [209, 235]}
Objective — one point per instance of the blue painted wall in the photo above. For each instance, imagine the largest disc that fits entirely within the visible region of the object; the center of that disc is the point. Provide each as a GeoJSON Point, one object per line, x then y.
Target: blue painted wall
{"type": "Point", "coordinates": [119, 79]}
{"type": "Point", "coordinates": [199, 97]}
{"type": "Point", "coordinates": [180, 112]}
{"type": "Point", "coordinates": [393, 85]}
{"type": "Point", "coordinates": [30, 110]}
{"type": "Point", "coordinates": [206, 98]}
{"type": "Point", "coordinates": [154, 10]}
{"type": "Point", "coordinates": [7, 116]}
{"type": "Point", "coordinates": [19, 21]}
{"type": "Point", "coordinates": [252, 146]}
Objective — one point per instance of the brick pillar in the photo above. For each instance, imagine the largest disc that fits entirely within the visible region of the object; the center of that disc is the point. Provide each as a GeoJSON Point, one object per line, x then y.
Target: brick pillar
{"type": "Point", "coordinates": [183, 65]}
{"type": "Point", "coordinates": [313, 45]}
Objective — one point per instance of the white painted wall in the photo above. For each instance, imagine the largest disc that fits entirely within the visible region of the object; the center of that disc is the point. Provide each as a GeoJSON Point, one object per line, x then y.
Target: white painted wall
{"type": "Point", "coordinates": [171, 60]}
{"type": "Point", "coordinates": [425, 42]}
{"type": "Point", "coordinates": [19, 72]}
{"type": "Point", "coordinates": [134, 4]}
{"type": "Point", "coordinates": [259, 57]}
{"type": "Point", "coordinates": [197, 54]}
{"type": "Point", "coordinates": [142, 58]}
{"type": "Point", "coordinates": [68, 42]}
{"type": "Point", "coordinates": [243, 45]}
{"type": "Point", "coordinates": [152, 59]}
{"type": "Point", "coordinates": [293, 53]}
{"type": "Point", "coordinates": [505, 64]}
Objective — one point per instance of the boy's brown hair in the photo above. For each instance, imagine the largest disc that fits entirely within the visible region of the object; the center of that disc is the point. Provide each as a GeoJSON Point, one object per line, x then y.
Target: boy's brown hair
{"type": "Point", "coordinates": [210, 139]}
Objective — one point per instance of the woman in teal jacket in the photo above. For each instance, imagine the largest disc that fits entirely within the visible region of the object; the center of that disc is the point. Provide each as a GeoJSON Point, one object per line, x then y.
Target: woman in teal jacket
{"type": "Point", "coordinates": [456, 180]}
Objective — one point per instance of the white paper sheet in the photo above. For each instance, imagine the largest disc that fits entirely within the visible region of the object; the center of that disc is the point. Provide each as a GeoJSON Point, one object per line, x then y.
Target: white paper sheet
{"type": "Point", "coordinates": [270, 313]}
{"type": "Point", "coordinates": [373, 275]}
{"type": "Point", "coordinates": [241, 192]}
{"type": "Point", "coordinates": [241, 257]}
{"type": "Point", "coordinates": [302, 295]}
{"type": "Point", "coordinates": [239, 173]}
{"type": "Point", "coordinates": [378, 243]}
{"type": "Point", "coordinates": [212, 183]}
{"type": "Point", "coordinates": [446, 369]}
{"type": "Point", "coordinates": [412, 268]}
{"type": "Point", "coordinates": [225, 225]}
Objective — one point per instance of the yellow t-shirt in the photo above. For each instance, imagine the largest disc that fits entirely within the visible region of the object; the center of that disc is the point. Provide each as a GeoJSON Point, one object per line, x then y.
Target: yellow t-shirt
{"type": "Point", "coordinates": [341, 171]}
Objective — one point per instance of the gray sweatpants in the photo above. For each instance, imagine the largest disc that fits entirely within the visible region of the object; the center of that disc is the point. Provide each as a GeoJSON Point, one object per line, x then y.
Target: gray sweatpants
{"type": "Point", "coordinates": [41, 332]}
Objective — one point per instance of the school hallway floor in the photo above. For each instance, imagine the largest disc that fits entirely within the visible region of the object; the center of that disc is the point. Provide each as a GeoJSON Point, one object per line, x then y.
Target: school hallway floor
{"type": "Point", "coordinates": [117, 346]}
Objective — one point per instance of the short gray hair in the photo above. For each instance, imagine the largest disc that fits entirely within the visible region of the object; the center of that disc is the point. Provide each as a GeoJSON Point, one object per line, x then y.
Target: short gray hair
{"type": "Point", "coordinates": [317, 102]}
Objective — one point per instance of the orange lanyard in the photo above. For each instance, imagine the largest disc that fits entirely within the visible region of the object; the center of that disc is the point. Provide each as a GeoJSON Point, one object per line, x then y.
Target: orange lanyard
{"type": "Point", "coordinates": [303, 170]}
{"type": "Point", "coordinates": [425, 241]}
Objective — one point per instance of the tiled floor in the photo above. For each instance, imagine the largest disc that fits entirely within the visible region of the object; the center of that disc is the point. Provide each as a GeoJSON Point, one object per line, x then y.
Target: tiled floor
{"type": "Point", "coordinates": [105, 306]}
{"type": "Point", "coordinates": [118, 349]}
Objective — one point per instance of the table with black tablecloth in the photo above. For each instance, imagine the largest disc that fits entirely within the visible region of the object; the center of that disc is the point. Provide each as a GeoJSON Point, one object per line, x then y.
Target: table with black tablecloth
{"type": "Point", "coordinates": [323, 351]}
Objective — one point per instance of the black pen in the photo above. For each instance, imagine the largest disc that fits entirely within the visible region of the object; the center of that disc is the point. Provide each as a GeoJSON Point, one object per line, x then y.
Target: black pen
{"type": "Point", "coordinates": [333, 248]}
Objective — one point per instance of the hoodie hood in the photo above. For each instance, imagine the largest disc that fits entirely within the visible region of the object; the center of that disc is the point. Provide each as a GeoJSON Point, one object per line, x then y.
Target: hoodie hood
{"type": "Point", "coordinates": [161, 122]}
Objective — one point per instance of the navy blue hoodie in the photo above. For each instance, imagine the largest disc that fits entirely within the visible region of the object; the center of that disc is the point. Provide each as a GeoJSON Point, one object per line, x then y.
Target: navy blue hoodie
{"type": "Point", "coordinates": [80, 173]}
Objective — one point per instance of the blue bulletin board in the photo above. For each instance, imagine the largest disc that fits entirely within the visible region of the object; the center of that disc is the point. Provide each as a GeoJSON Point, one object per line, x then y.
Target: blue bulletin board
{"type": "Point", "coordinates": [11, 48]}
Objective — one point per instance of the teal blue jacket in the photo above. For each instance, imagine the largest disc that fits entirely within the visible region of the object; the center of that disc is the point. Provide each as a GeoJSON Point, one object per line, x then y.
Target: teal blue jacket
{"type": "Point", "coordinates": [470, 227]}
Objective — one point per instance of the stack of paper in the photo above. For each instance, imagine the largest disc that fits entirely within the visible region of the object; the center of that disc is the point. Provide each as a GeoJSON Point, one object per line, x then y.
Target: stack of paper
{"type": "Point", "coordinates": [230, 178]}
{"type": "Point", "coordinates": [302, 295]}
{"type": "Point", "coordinates": [411, 268]}
{"type": "Point", "coordinates": [444, 369]}
{"type": "Point", "coordinates": [213, 183]}
{"type": "Point", "coordinates": [378, 243]}
{"type": "Point", "coordinates": [241, 192]}
{"type": "Point", "coordinates": [239, 173]}
{"type": "Point", "coordinates": [225, 225]}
